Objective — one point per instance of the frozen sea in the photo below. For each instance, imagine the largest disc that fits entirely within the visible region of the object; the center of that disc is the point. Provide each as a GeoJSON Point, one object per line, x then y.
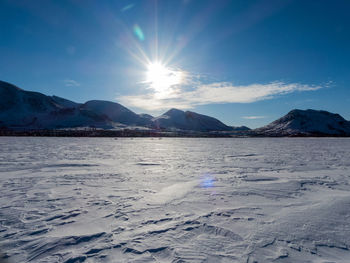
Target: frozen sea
{"type": "Point", "coordinates": [175, 199]}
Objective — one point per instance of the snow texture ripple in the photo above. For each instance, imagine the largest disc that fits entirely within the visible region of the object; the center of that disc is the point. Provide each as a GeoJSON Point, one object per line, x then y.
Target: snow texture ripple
{"type": "Point", "coordinates": [174, 200]}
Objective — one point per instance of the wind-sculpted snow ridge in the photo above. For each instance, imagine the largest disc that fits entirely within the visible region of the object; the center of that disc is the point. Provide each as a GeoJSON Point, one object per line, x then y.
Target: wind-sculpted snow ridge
{"type": "Point", "coordinates": [174, 200]}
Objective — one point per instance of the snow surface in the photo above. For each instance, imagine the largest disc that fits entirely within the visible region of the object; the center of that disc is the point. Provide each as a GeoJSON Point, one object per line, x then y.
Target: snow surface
{"type": "Point", "coordinates": [175, 199]}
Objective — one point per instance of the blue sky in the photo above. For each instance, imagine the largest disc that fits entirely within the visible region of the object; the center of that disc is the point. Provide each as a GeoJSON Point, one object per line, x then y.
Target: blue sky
{"type": "Point", "coordinates": [243, 62]}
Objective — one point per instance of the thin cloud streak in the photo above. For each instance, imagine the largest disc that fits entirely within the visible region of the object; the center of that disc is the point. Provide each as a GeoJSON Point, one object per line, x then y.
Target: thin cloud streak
{"type": "Point", "coordinates": [71, 83]}
{"type": "Point", "coordinates": [215, 93]}
{"type": "Point", "coordinates": [253, 117]}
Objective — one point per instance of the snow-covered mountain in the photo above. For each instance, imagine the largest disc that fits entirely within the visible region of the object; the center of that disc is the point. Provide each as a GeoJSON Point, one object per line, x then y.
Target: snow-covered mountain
{"type": "Point", "coordinates": [178, 119]}
{"type": "Point", "coordinates": [116, 113]}
{"type": "Point", "coordinates": [34, 110]}
{"type": "Point", "coordinates": [307, 122]}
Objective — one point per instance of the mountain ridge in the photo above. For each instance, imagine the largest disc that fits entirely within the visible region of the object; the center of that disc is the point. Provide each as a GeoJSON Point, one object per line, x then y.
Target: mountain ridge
{"type": "Point", "coordinates": [33, 110]}
{"type": "Point", "coordinates": [28, 110]}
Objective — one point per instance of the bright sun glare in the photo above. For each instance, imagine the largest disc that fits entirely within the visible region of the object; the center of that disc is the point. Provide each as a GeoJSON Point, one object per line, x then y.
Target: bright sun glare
{"type": "Point", "coordinates": [161, 78]}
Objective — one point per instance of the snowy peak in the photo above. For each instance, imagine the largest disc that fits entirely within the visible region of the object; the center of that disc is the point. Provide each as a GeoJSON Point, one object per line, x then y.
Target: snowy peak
{"type": "Point", "coordinates": [115, 112]}
{"type": "Point", "coordinates": [180, 120]}
{"type": "Point", "coordinates": [103, 105]}
{"type": "Point", "coordinates": [174, 112]}
{"type": "Point", "coordinates": [8, 86]}
{"type": "Point", "coordinates": [64, 103]}
{"type": "Point", "coordinates": [15, 99]}
{"type": "Point", "coordinates": [307, 122]}
{"type": "Point", "coordinates": [311, 114]}
{"type": "Point", "coordinates": [22, 109]}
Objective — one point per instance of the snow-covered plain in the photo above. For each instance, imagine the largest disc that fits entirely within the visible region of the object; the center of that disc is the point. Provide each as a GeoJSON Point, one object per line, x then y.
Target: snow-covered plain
{"type": "Point", "coordinates": [175, 200]}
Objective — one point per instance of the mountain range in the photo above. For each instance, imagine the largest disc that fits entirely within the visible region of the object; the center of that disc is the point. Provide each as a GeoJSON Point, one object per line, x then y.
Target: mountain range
{"type": "Point", "coordinates": [20, 109]}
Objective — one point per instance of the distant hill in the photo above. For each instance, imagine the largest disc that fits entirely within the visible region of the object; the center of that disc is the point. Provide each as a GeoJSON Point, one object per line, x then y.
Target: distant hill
{"type": "Point", "coordinates": [307, 123]}
{"type": "Point", "coordinates": [116, 113]}
{"type": "Point", "coordinates": [178, 119]}
{"type": "Point", "coordinates": [34, 110]}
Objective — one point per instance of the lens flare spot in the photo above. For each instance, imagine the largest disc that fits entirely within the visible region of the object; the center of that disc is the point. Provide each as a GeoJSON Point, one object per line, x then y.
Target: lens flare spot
{"type": "Point", "coordinates": [207, 181]}
{"type": "Point", "coordinates": [138, 32]}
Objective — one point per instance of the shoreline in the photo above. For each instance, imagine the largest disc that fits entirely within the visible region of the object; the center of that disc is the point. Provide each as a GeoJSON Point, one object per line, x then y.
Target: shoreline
{"type": "Point", "coordinates": [152, 134]}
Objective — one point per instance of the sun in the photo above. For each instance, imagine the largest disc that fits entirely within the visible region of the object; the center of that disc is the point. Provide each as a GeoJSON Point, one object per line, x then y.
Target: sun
{"type": "Point", "coordinates": [161, 78]}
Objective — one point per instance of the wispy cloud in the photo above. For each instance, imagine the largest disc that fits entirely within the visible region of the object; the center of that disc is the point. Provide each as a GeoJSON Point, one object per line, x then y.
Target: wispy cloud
{"type": "Point", "coordinates": [253, 117]}
{"type": "Point", "coordinates": [214, 93]}
{"type": "Point", "coordinates": [127, 7]}
{"type": "Point", "coordinates": [71, 83]}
